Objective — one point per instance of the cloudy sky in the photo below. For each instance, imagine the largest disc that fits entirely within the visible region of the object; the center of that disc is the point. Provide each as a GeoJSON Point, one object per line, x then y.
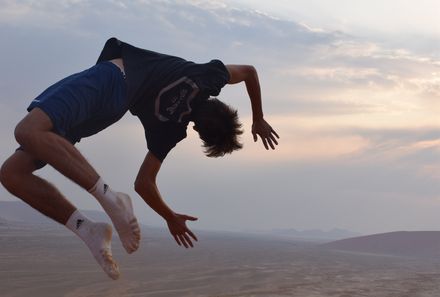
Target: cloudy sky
{"type": "Point", "coordinates": [352, 87]}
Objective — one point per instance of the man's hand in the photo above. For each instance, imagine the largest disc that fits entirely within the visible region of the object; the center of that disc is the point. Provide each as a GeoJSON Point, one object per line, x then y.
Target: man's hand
{"type": "Point", "coordinates": [146, 187]}
{"type": "Point", "coordinates": [248, 74]}
{"type": "Point", "coordinates": [266, 133]}
{"type": "Point", "coordinates": [181, 233]}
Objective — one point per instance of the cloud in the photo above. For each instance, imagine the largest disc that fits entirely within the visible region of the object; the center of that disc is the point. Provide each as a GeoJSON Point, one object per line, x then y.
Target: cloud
{"type": "Point", "coordinates": [317, 79]}
{"type": "Point", "coordinates": [358, 117]}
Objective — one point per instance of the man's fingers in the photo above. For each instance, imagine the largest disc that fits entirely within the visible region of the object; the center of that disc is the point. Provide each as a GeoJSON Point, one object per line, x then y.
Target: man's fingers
{"type": "Point", "coordinates": [273, 139]}
{"type": "Point", "coordinates": [188, 240]}
{"type": "Point", "coordinates": [264, 142]}
{"type": "Point", "coordinates": [183, 240]}
{"type": "Point", "coordinates": [192, 235]}
{"type": "Point", "coordinates": [255, 137]}
{"type": "Point", "coordinates": [269, 140]}
{"type": "Point", "coordinates": [176, 238]}
{"type": "Point", "coordinates": [190, 218]}
{"type": "Point", "coordinates": [273, 132]}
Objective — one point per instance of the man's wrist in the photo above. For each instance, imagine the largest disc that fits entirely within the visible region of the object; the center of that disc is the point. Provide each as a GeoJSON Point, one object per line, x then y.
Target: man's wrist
{"type": "Point", "coordinates": [256, 119]}
{"type": "Point", "coordinates": [170, 216]}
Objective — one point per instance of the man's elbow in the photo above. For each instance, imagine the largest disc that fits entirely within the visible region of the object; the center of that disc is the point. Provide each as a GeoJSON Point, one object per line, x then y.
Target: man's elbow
{"type": "Point", "coordinates": [251, 69]}
{"type": "Point", "coordinates": [137, 187]}
{"type": "Point", "coordinates": [247, 71]}
{"type": "Point", "coordinates": [141, 186]}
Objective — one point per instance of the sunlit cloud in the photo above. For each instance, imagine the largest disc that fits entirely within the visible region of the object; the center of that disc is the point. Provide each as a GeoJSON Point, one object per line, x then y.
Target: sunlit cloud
{"type": "Point", "coordinates": [433, 171]}
{"type": "Point", "coordinates": [310, 149]}
{"type": "Point", "coordinates": [12, 10]}
{"type": "Point", "coordinates": [43, 14]}
{"type": "Point", "coordinates": [362, 110]}
{"type": "Point", "coordinates": [337, 74]}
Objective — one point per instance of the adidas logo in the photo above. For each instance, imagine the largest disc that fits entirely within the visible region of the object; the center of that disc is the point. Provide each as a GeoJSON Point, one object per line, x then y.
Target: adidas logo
{"type": "Point", "coordinates": [79, 223]}
{"type": "Point", "coordinates": [105, 188]}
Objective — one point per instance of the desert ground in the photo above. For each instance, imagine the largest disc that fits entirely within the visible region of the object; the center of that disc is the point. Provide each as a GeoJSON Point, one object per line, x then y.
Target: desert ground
{"type": "Point", "coordinates": [50, 261]}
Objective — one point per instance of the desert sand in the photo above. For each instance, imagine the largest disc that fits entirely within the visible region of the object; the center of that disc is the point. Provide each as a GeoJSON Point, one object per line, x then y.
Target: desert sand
{"type": "Point", "coordinates": [50, 261]}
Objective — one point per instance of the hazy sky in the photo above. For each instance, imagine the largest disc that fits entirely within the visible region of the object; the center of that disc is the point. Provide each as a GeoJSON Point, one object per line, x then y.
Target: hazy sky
{"type": "Point", "coordinates": [352, 87]}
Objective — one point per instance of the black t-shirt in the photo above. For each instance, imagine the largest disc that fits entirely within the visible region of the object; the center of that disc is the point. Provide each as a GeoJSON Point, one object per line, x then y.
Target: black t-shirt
{"type": "Point", "coordinates": [163, 90]}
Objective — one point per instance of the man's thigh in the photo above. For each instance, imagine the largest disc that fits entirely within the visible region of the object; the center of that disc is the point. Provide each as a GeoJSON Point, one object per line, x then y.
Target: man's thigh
{"type": "Point", "coordinates": [35, 120]}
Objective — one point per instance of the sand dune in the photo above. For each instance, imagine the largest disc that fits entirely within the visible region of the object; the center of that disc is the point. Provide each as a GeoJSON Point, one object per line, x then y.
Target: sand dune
{"type": "Point", "coordinates": [51, 262]}
{"type": "Point", "coordinates": [18, 211]}
{"type": "Point", "coordinates": [46, 260]}
{"type": "Point", "coordinates": [403, 243]}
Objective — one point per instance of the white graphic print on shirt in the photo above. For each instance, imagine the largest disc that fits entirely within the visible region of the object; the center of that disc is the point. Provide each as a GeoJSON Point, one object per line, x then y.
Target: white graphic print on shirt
{"type": "Point", "coordinates": [173, 101]}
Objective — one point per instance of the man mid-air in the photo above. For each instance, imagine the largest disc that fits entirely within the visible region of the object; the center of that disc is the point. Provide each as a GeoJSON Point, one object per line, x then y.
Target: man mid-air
{"type": "Point", "coordinates": [165, 93]}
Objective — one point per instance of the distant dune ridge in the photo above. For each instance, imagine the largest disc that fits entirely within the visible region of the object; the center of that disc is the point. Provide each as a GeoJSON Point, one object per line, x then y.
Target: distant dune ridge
{"type": "Point", "coordinates": [327, 235]}
{"type": "Point", "coordinates": [401, 243]}
{"type": "Point", "coordinates": [18, 211]}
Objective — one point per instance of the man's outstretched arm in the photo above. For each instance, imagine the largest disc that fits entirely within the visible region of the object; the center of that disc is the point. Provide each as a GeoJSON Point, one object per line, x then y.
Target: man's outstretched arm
{"type": "Point", "coordinates": [145, 186]}
{"type": "Point", "coordinates": [248, 75]}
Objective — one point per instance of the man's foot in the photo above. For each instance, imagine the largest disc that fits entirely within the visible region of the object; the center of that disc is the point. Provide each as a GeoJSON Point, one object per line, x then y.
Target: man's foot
{"type": "Point", "coordinates": [98, 239]}
{"type": "Point", "coordinates": [126, 224]}
{"type": "Point", "coordinates": [120, 210]}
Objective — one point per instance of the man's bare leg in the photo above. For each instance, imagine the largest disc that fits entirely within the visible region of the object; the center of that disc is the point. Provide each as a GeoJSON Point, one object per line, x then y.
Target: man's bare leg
{"type": "Point", "coordinates": [34, 133]}
{"type": "Point", "coordinates": [17, 176]}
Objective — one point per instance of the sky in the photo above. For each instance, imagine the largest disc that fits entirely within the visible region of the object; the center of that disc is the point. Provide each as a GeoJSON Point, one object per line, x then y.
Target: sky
{"type": "Point", "coordinates": [351, 87]}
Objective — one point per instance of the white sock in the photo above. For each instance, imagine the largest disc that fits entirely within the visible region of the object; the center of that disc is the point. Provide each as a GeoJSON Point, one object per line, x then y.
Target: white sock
{"type": "Point", "coordinates": [120, 210]}
{"type": "Point", "coordinates": [97, 237]}
{"type": "Point", "coordinates": [79, 224]}
{"type": "Point", "coordinates": [102, 192]}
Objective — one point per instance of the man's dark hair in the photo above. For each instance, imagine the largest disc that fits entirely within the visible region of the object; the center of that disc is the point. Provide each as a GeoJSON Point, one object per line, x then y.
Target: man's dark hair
{"type": "Point", "coordinates": [218, 127]}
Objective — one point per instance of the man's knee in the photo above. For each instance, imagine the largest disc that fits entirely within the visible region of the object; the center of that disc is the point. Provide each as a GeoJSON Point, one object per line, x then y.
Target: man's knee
{"type": "Point", "coordinates": [23, 133]}
{"type": "Point", "coordinates": [14, 169]}
{"type": "Point", "coordinates": [8, 176]}
{"type": "Point", "coordinates": [28, 129]}
{"type": "Point", "coordinates": [3, 175]}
